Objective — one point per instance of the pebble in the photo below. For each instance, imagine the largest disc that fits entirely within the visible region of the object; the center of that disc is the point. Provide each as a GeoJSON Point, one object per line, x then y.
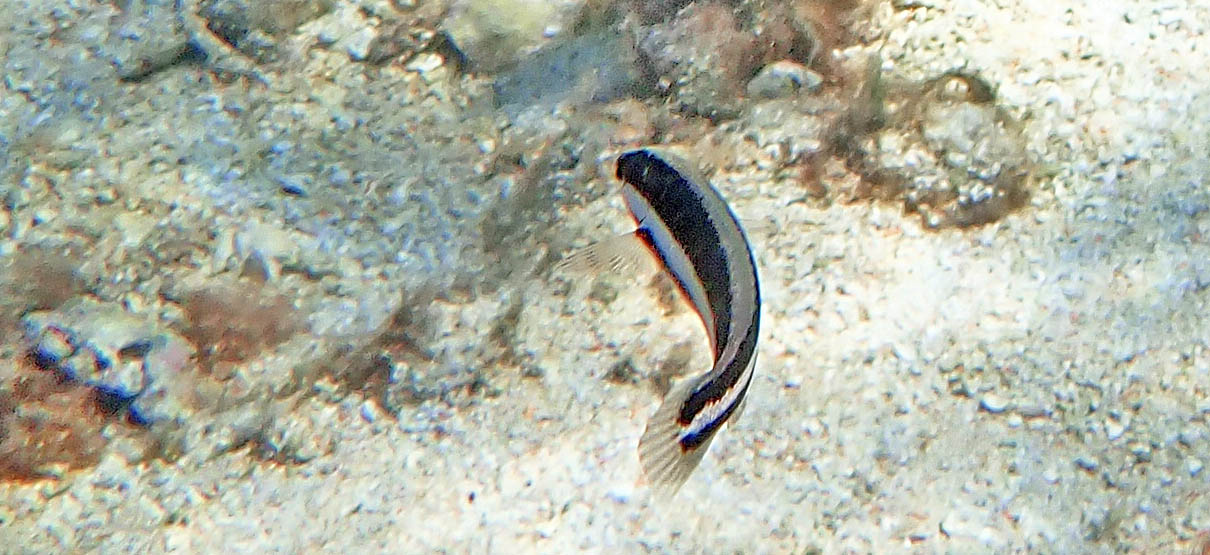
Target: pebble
{"type": "Point", "coordinates": [955, 526]}
{"type": "Point", "coordinates": [783, 79]}
{"type": "Point", "coordinates": [44, 215]}
{"type": "Point", "coordinates": [1194, 466]}
{"type": "Point", "coordinates": [1190, 436]}
{"type": "Point", "coordinates": [153, 513]}
{"type": "Point", "coordinates": [357, 45]}
{"type": "Point", "coordinates": [51, 344]}
{"type": "Point", "coordinates": [1141, 451]}
{"type": "Point", "coordinates": [621, 493]}
{"type": "Point", "coordinates": [292, 185]}
{"type": "Point", "coordinates": [993, 403]}
{"type": "Point", "coordinates": [369, 411]}
{"type": "Point", "coordinates": [133, 227]}
{"type": "Point", "coordinates": [1170, 16]}
{"type": "Point", "coordinates": [425, 62]}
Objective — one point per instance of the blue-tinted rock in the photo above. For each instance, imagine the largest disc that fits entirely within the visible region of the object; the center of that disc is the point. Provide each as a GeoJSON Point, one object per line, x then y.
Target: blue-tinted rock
{"type": "Point", "coordinates": [593, 68]}
{"type": "Point", "coordinates": [122, 355]}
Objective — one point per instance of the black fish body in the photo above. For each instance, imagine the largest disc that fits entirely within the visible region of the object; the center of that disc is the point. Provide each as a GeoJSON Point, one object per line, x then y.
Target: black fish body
{"type": "Point", "coordinates": [688, 226]}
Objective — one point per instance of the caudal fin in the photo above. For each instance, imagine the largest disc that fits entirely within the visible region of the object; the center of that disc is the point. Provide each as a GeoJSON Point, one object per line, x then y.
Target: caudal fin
{"type": "Point", "coordinates": [666, 462]}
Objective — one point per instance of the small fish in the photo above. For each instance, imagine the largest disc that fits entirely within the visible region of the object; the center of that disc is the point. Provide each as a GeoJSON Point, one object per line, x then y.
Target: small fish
{"type": "Point", "coordinates": [696, 238]}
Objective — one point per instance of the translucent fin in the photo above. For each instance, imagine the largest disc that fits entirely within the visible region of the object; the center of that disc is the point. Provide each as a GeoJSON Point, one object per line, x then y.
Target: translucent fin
{"type": "Point", "coordinates": [666, 464]}
{"type": "Point", "coordinates": [621, 254]}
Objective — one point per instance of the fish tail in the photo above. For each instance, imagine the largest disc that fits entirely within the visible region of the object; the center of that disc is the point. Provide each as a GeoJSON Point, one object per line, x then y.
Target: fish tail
{"type": "Point", "coordinates": [667, 463]}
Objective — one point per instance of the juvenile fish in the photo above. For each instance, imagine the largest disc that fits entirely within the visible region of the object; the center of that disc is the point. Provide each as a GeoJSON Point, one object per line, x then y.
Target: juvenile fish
{"type": "Point", "coordinates": [698, 241]}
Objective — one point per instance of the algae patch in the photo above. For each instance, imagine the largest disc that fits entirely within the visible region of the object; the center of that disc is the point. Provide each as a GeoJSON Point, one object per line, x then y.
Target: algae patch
{"type": "Point", "coordinates": [943, 148]}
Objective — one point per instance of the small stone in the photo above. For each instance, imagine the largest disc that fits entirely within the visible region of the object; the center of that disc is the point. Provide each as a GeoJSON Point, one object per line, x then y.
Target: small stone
{"type": "Point", "coordinates": [44, 215]}
{"type": "Point", "coordinates": [1141, 451]}
{"type": "Point", "coordinates": [993, 403]}
{"type": "Point", "coordinates": [1086, 463]}
{"type": "Point", "coordinates": [1033, 410]}
{"type": "Point", "coordinates": [954, 525]}
{"type": "Point", "coordinates": [80, 366]}
{"type": "Point", "coordinates": [621, 493]}
{"type": "Point", "coordinates": [1194, 466]}
{"type": "Point", "coordinates": [125, 379]}
{"type": "Point", "coordinates": [369, 412]}
{"type": "Point", "coordinates": [224, 249]}
{"type": "Point", "coordinates": [1169, 16]}
{"type": "Point", "coordinates": [56, 487]}
{"type": "Point", "coordinates": [151, 510]}
{"type": "Point", "coordinates": [107, 195]}
{"type": "Point", "coordinates": [1203, 406]}
{"type": "Point", "coordinates": [53, 344]}
{"type": "Point", "coordinates": [133, 228]}
{"type": "Point", "coordinates": [358, 44]}
{"type": "Point", "coordinates": [425, 62]}
{"type": "Point", "coordinates": [1114, 429]}
{"type": "Point", "coordinates": [782, 79]}
{"type": "Point", "coordinates": [919, 536]}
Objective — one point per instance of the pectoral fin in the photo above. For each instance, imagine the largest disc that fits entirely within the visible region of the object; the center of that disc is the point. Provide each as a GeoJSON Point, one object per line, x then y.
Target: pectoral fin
{"type": "Point", "coordinates": [623, 254]}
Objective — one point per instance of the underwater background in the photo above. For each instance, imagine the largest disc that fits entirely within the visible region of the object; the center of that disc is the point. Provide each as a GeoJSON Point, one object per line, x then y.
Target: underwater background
{"type": "Point", "coordinates": [278, 275]}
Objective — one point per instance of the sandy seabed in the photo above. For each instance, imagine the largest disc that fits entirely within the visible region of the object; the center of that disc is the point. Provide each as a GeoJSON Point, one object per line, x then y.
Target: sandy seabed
{"type": "Point", "coordinates": [1036, 384]}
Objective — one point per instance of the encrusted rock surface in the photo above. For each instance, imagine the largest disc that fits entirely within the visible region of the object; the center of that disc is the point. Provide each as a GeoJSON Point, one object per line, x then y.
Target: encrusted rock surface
{"type": "Point", "coordinates": [951, 154]}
